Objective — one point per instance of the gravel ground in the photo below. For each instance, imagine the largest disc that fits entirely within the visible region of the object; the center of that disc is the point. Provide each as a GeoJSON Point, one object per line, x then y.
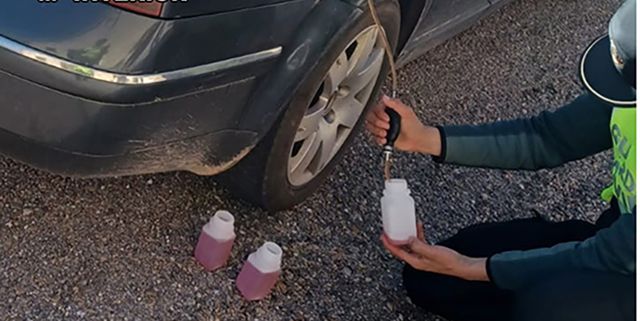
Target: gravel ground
{"type": "Point", "coordinates": [120, 249]}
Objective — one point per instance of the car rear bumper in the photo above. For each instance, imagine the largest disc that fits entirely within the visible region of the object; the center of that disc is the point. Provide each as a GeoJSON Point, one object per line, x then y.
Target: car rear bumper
{"type": "Point", "coordinates": [186, 119]}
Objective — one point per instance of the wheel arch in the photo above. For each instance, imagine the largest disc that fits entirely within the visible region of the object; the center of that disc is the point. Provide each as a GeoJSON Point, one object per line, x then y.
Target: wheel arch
{"type": "Point", "coordinates": [300, 55]}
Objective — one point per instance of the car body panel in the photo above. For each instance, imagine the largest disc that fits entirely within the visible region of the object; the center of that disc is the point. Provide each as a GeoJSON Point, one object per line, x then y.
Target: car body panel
{"type": "Point", "coordinates": [78, 125]}
{"type": "Point", "coordinates": [205, 128]}
{"type": "Point", "coordinates": [101, 128]}
{"type": "Point", "coordinates": [445, 12]}
{"type": "Point", "coordinates": [79, 137]}
{"type": "Point", "coordinates": [499, 2]}
{"type": "Point", "coordinates": [108, 38]}
{"type": "Point", "coordinates": [438, 21]}
{"type": "Point", "coordinates": [83, 84]}
{"type": "Point", "coordinates": [191, 8]}
{"type": "Point", "coordinates": [443, 20]}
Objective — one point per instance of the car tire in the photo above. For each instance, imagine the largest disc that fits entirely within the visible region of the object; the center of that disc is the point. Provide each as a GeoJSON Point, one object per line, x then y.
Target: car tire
{"type": "Point", "coordinates": [264, 177]}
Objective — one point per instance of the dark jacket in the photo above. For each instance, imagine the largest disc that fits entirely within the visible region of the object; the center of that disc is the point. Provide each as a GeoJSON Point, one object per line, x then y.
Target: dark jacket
{"type": "Point", "coordinates": [572, 132]}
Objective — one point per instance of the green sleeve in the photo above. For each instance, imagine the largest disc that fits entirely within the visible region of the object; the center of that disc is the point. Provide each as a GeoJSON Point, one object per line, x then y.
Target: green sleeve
{"type": "Point", "coordinates": [612, 249]}
{"type": "Point", "coordinates": [550, 139]}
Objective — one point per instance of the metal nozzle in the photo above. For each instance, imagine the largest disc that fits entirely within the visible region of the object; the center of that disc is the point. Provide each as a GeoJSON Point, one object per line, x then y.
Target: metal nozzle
{"type": "Point", "coordinates": [387, 153]}
{"type": "Point", "coordinates": [387, 150]}
{"type": "Point", "coordinates": [387, 156]}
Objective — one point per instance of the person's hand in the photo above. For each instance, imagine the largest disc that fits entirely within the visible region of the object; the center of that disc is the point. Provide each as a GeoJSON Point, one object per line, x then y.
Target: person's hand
{"type": "Point", "coordinates": [414, 136]}
{"type": "Point", "coordinates": [437, 259]}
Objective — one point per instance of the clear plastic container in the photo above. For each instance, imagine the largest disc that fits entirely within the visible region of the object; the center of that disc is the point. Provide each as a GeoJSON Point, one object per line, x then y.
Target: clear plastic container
{"type": "Point", "coordinates": [398, 212]}
{"type": "Point", "coordinates": [260, 272]}
{"type": "Point", "coordinates": [216, 241]}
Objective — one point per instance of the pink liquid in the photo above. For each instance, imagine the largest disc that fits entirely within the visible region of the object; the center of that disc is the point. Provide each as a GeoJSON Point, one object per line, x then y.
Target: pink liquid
{"type": "Point", "coordinates": [253, 284]}
{"type": "Point", "coordinates": [212, 253]}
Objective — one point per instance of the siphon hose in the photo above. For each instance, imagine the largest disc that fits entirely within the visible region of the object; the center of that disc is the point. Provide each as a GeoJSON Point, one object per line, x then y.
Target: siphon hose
{"type": "Point", "coordinates": [394, 76]}
{"type": "Point", "coordinates": [387, 48]}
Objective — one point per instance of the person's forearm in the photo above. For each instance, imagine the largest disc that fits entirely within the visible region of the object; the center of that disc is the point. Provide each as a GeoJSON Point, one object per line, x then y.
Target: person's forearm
{"type": "Point", "coordinates": [429, 142]}
{"type": "Point", "coordinates": [473, 269]}
{"type": "Point", "coordinates": [550, 139]}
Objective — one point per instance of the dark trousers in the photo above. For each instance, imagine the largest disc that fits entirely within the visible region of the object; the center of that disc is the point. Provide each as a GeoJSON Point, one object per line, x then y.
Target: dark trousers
{"type": "Point", "coordinates": [580, 295]}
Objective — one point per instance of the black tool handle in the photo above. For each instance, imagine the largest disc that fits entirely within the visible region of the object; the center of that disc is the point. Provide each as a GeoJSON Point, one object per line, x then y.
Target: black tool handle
{"type": "Point", "coordinates": [394, 126]}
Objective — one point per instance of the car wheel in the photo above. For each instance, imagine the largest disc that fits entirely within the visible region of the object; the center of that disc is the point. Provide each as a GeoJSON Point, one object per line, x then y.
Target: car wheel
{"type": "Point", "coordinates": [322, 118]}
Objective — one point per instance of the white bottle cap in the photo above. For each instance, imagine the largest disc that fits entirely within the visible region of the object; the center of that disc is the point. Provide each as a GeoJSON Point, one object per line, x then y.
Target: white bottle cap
{"type": "Point", "coordinates": [267, 258]}
{"type": "Point", "coordinates": [396, 184]}
{"type": "Point", "coordinates": [220, 226]}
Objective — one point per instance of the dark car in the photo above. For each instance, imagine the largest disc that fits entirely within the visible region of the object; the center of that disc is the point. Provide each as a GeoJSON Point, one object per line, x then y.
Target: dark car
{"type": "Point", "coordinates": [269, 92]}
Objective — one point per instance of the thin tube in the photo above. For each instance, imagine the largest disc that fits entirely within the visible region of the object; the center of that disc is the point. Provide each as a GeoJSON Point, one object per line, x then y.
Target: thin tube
{"type": "Point", "coordinates": [387, 47]}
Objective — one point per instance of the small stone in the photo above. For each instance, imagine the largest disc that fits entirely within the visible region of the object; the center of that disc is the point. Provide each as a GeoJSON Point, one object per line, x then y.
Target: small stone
{"type": "Point", "coordinates": [27, 211]}
{"type": "Point", "coordinates": [150, 182]}
{"type": "Point", "coordinates": [9, 225]}
{"type": "Point", "coordinates": [368, 280]}
{"type": "Point", "coordinates": [347, 271]}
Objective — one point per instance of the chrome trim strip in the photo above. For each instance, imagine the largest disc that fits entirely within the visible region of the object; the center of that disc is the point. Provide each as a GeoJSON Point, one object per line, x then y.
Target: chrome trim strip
{"type": "Point", "coordinates": [127, 79]}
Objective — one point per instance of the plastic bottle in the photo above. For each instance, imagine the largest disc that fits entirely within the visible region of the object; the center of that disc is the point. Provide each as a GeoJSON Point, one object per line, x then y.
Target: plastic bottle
{"type": "Point", "coordinates": [215, 241]}
{"type": "Point", "coordinates": [260, 272]}
{"type": "Point", "coordinates": [398, 212]}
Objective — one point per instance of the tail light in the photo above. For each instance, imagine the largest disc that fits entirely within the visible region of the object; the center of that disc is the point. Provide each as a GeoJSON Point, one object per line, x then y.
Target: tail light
{"type": "Point", "coordinates": [147, 7]}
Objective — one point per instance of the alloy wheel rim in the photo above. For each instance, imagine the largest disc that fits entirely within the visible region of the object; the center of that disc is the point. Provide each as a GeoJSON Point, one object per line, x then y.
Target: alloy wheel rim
{"type": "Point", "coordinates": [336, 107]}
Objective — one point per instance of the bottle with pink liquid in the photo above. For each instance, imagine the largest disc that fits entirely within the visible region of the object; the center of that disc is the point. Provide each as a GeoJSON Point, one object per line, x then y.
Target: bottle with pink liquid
{"type": "Point", "coordinates": [260, 272]}
{"type": "Point", "coordinates": [215, 242]}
